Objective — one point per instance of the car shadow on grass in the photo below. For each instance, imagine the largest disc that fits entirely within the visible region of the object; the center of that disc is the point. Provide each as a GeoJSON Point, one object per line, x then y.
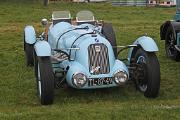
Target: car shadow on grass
{"type": "Point", "coordinates": [121, 93]}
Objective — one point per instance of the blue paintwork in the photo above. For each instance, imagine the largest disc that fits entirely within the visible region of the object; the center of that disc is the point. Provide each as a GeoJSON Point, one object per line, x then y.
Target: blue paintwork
{"type": "Point", "coordinates": [76, 67]}
{"type": "Point", "coordinates": [42, 48]}
{"type": "Point", "coordinates": [30, 35]}
{"type": "Point", "coordinates": [80, 57]}
{"type": "Point", "coordinates": [79, 62]}
{"type": "Point", "coordinates": [147, 43]}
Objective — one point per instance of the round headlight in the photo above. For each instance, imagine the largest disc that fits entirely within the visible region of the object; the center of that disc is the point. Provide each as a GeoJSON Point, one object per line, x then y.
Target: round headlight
{"type": "Point", "coordinates": [79, 79]}
{"type": "Point", "coordinates": [120, 77]}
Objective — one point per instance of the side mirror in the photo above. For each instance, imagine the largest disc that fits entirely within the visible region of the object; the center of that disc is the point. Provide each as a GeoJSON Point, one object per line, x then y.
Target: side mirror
{"type": "Point", "coordinates": [44, 22]}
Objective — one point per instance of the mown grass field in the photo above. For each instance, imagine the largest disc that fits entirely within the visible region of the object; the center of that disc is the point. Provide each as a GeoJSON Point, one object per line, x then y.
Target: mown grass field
{"type": "Point", "coordinates": [18, 100]}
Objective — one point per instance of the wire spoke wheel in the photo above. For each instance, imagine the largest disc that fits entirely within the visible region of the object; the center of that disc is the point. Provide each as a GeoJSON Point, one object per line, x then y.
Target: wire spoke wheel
{"type": "Point", "coordinates": [147, 73]}
{"type": "Point", "coordinates": [142, 82]}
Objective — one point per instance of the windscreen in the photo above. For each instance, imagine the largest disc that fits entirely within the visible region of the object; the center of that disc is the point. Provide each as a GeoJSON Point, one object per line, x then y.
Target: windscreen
{"type": "Point", "coordinates": [60, 14]}
{"type": "Point", "coordinates": [85, 16]}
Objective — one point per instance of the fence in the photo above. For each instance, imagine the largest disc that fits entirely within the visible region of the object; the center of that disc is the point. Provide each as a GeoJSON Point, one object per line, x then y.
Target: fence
{"type": "Point", "coordinates": [129, 2]}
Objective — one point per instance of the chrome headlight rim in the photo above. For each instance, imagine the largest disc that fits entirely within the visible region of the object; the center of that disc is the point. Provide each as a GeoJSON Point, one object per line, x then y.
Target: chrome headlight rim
{"type": "Point", "coordinates": [124, 74]}
{"type": "Point", "coordinates": [76, 77]}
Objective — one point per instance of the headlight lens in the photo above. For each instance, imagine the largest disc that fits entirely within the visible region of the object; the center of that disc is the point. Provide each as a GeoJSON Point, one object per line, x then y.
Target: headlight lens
{"type": "Point", "coordinates": [79, 79]}
{"type": "Point", "coordinates": [120, 77]}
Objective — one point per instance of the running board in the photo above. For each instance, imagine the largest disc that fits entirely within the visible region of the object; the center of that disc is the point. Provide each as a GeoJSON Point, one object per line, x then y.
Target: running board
{"type": "Point", "coordinates": [177, 48]}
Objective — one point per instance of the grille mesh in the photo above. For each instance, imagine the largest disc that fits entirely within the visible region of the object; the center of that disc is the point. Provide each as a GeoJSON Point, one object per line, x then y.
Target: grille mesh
{"type": "Point", "coordinates": [98, 59]}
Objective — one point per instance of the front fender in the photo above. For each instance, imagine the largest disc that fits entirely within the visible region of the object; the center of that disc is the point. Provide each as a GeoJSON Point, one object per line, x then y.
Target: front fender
{"type": "Point", "coordinates": [147, 43]}
{"type": "Point", "coordinates": [119, 65]}
{"type": "Point", "coordinates": [29, 35]}
{"type": "Point", "coordinates": [75, 67]}
{"type": "Point", "coordinates": [42, 48]}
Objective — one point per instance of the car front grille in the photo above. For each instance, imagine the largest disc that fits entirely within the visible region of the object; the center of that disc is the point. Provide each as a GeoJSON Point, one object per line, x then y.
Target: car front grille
{"type": "Point", "coordinates": [98, 59]}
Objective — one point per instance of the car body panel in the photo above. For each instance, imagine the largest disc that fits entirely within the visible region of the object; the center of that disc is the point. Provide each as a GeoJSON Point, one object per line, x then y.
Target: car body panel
{"type": "Point", "coordinates": [29, 35]}
{"type": "Point", "coordinates": [82, 39]}
{"type": "Point", "coordinates": [78, 68]}
{"type": "Point", "coordinates": [42, 48]}
{"type": "Point", "coordinates": [147, 43]}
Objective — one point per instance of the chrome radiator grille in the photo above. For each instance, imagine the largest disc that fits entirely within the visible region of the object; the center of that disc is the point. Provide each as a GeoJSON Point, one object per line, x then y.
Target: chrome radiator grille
{"type": "Point", "coordinates": [98, 59]}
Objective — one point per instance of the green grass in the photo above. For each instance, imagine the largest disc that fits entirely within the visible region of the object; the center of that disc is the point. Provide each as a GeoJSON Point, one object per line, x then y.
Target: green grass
{"type": "Point", "coordinates": [18, 98]}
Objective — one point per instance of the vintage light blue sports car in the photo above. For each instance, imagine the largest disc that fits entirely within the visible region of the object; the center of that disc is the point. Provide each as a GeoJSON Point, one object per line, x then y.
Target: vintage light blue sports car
{"type": "Point", "coordinates": [83, 54]}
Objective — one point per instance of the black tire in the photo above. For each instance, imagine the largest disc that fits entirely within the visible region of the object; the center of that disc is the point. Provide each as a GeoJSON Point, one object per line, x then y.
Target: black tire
{"type": "Point", "coordinates": [29, 48]}
{"type": "Point", "coordinates": [108, 32]}
{"type": "Point", "coordinates": [45, 80]}
{"type": "Point", "coordinates": [46, 2]}
{"type": "Point", "coordinates": [148, 80]}
{"type": "Point", "coordinates": [35, 66]}
{"type": "Point", "coordinates": [36, 71]}
{"type": "Point", "coordinates": [170, 42]}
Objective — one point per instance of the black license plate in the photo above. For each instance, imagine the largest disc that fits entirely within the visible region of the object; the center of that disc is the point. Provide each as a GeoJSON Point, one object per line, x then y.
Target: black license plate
{"type": "Point", "coordinates": [100, 81]}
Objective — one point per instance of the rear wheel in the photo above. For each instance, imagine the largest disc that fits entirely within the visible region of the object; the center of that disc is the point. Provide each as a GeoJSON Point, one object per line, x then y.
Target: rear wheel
{"type": "Point", "coordinates": [170, 42]}
{"type": "Point", "coordinates": [45, 80]}
{"type": "Point", "coordinates": [148, 73]}
{"type": "Point", "coordinates": [108, 32]}
{"type": "Point", "coordinates": [29, 54]}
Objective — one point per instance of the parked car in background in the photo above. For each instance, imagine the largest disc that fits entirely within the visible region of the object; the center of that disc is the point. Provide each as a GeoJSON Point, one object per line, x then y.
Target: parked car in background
{"type": "Point", "coordinates": [170, 32]}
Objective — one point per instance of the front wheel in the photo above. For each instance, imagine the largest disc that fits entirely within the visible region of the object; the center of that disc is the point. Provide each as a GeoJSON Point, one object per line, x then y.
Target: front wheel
{"type": "Point", "coordinates": [148, 73]}
{"type": "Point", "coordinates": [45, 80]}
